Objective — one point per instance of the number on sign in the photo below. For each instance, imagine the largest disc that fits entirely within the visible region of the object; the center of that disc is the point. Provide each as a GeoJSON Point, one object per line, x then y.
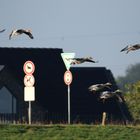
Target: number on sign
{"type": "Point", "coordinates": [67, 77]}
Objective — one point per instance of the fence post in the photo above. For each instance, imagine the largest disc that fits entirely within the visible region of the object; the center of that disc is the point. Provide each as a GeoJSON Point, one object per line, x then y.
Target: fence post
{"type": "Point", "coordinates": [103, 118]}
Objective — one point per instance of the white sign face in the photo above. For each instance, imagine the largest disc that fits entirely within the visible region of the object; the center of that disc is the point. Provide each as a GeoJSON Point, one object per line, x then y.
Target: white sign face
{"type": "Point", "coordinates": [29, 80]}
{"type": "Point", "coordinates": [67, 77]}
{"type": "Point", "coordinates": [29, 93]}
{"type": "Point", "coordinates": [67, 59]}
{"type": "Point", "coordinates": [29, 67]}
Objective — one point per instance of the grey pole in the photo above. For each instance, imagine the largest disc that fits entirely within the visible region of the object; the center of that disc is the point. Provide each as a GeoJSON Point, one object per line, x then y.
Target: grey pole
{"type": "Point", "coordinates": [68, 104]}
{"type": "Point", "coordinates": [29, 112]}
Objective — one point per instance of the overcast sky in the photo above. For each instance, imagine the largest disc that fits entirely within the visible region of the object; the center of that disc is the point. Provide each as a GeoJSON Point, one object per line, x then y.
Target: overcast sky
{"type": "Point", "coordinates": [97, 28]}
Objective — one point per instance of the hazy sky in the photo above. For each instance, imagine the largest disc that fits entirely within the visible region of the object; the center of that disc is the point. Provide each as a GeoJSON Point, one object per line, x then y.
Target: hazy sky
{"type": "Point", "coordinates": [97, 28]}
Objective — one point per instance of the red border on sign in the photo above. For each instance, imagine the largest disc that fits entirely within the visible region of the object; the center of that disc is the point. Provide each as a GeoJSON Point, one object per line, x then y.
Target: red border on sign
{"type": "Point", "coordinates": [26, 84]}
{"type": "Point", "coordinates": [24, 67]}
{"type": "Point", "coordinates": [65, 74]}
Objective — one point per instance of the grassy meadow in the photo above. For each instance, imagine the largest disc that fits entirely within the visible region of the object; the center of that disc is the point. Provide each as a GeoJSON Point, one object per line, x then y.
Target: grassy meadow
{"type": "Point", "coordinates": [69, 132]}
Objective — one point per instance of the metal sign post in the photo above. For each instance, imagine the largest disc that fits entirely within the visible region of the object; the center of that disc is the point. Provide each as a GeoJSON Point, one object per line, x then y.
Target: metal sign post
{"type": "Point", "coordinates": [29, 112]}
{"type": "Point", "coordinates": [68, 76]}
{"type": "Point", "coordinates": [68, 104]}
{"type": "Point", "coordinates": [68, 80]}
{"type": "Point", "coordinates": [29, 89]}
{"type": "Point", "coordinates": [29, 95]}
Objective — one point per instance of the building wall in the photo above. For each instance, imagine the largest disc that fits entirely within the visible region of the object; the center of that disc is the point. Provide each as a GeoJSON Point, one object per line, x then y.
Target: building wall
{"type": "Point", "coordinates": [7, 101]}
{"type": "Point", "coordinates": [50, 90]}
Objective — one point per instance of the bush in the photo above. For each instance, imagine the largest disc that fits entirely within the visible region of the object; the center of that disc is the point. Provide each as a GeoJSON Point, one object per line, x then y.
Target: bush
{"type": "Point", "coordinates": [132, 98]}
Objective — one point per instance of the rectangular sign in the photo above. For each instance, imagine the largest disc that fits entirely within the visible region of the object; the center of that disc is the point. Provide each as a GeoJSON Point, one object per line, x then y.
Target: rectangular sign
{"type": "Point", "coordinates": [29, 93]}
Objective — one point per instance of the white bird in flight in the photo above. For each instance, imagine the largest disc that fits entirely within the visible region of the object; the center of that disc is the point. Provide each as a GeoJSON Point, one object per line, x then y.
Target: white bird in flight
{"type": "Point", "coordinates": [74, 61]}
{"type": "Point", "coordinates": [17, 32]}
{"type": "Point", "coordinates": [110, 94]}
{"type": "Point", "coordinates": [98, 87]}
{"type": "Point", "coordinates": [131, 48]}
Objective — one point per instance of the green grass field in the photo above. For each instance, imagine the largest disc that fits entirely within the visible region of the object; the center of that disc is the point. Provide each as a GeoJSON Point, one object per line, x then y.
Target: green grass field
{"type": "Point", "coordinates": [69, 132]}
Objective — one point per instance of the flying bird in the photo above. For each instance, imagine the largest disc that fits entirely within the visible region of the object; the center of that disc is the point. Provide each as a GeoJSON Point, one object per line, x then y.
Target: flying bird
{"type": "Point", "coordinates": [129, 48]}
{"type": "Point", "coordinates": [110, 94]}
{"type": "Point", "coordinates": [17, 32]}
{"type": "Point", "coordinates": [75, 61]}
{"type": "Point", "coordinates": [98, 87]}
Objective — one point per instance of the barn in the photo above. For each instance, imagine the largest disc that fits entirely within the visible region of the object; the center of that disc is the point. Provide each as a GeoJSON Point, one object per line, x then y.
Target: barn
{"type": "Point", "coordinates": [51, 99]}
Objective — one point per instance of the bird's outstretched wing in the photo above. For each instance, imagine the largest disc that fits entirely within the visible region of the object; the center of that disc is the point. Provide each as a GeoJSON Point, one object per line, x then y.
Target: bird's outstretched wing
{"type": "Point", "coordinates": [119, 98]}
{"type": "Point", "coordinates": [94, 88]}
{"type": "Point", "coordinates": [75, 61]}
{"type": "Point", "coordinates": [29, 34]}
{"type": "Point", "coordinates": [89, 60]}
{"type": "Point", "coordinates": [105, 95]}
{"type": "Point", "coordinates": [124, 49]}
{"type": "Point", "coordinates": [2, 30]}
{"type": "Point", "coordinates": [11, 34]}
{"type": "Point", "coordinates": [107, 85]}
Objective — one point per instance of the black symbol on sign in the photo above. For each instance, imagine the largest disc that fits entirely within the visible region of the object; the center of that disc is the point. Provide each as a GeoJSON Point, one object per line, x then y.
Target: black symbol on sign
{"type": "Point", "coordinates": [28, 80]}
{"type": "Point", "coordinates": [28, 67]}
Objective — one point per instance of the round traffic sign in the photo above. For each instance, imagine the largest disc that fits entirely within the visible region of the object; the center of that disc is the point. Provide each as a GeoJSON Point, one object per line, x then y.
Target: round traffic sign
{"type": "Point", "coordinates": [29, 80]}
{"type": "Point", "coordinates": [29, 67]}
{"type": "Point", "coordinates": [67, 77]}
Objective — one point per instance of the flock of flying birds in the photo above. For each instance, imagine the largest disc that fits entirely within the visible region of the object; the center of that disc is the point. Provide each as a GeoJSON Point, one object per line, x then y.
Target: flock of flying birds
{"type": "Point", "coordinates": [17, 32]}
{"type": "Point", "coordinates": [97, 88]}
{"type": "Point", "coordinates": [105, 92]}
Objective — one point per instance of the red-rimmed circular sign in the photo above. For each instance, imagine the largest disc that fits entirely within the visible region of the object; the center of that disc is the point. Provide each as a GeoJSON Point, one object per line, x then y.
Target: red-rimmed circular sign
{"type": "Point", "coordinates": [67, 77]}
{"type": "Point", "coordinates": [29, 67]}
{"type": "Point", "coordinates": [29, 80]}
